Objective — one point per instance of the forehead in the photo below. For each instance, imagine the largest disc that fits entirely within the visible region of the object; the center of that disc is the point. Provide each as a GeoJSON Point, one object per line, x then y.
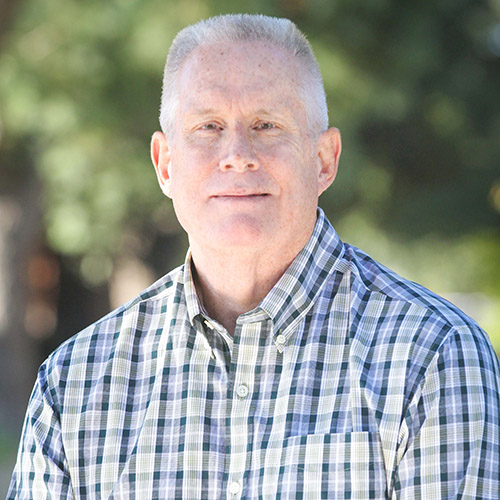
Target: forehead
{"type": "Point", "coordinates": [257, 53]}
{"type": "Point", "coordinates": [253, 69]}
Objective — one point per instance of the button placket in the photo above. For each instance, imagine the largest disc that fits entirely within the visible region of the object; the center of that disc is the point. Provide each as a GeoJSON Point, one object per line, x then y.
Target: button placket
{"type": "Point", "coordinates": [280, 342]}
{"type": "Point", "coordinates": [235, 488]}
{"type": "Point", "coordinates": [245, 358]}
{"type": "Point", "coordinates": [242, 391]}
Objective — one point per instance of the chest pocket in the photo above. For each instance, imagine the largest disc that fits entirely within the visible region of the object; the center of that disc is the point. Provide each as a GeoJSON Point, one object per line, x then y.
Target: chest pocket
{"type": "Point", "coordinates": [332, 466]}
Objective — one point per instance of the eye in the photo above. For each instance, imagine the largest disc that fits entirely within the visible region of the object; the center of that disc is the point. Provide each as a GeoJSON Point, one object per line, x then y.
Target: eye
{"type": "Point", "coordinates": [210, 126]}
{"type": "Point", "coordinates": [265, 126]}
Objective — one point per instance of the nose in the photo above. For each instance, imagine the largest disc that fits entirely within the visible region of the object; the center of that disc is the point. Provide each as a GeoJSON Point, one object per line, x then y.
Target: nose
{"type": "Point", "coordinates": [239, 154]}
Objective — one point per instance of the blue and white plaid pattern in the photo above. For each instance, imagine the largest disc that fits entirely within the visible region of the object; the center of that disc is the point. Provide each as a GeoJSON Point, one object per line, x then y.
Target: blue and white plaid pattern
{"type": "Point", "coordinates": [346, 382]}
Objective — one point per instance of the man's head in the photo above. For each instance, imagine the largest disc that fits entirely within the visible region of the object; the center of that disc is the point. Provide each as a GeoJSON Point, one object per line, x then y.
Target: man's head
{"type": "Point", "coordinates": [241, 160]}
{"type": "Point", "coordinates": [281, 33]}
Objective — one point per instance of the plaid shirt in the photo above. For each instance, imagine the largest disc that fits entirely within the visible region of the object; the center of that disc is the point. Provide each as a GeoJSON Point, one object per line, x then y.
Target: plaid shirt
{"type": "Point", "coordinates": [345, 382]}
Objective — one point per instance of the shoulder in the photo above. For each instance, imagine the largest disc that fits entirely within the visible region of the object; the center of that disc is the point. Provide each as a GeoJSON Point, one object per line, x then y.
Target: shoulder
{"type": "Point", "coordinates": [90, 350]}
{"type": "Point", "coordinates": [399, 321]}
{"type": "Point", "coordinates": [373, 280]}
{"type": "Point", "coordinates": [415, 349]}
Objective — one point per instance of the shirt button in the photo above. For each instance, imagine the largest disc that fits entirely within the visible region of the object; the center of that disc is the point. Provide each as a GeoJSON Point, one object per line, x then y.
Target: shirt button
{"type": "Point", "coordinates": [281, 339]}
{"type": "Point", "coordinates": [234, 488]}
{"type": "Point", "coordinates": [242, 392]}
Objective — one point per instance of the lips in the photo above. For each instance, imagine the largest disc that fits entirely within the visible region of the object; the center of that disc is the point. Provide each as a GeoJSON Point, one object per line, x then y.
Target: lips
{"type": "Point", "coordinates": [240, 194]}
{"type": "Point", "coordinates": [253, 195]}
{"type": "Point", "coordinates": [241, 198]}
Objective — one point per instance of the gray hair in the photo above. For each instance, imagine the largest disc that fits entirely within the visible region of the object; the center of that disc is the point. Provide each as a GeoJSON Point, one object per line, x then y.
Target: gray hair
{"type": "Point", "coordinates": [283, 33]}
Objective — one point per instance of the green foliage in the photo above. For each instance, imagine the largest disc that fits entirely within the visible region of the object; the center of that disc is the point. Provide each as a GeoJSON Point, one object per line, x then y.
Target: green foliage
{"type": "Point", "coordinates": [412, 85]}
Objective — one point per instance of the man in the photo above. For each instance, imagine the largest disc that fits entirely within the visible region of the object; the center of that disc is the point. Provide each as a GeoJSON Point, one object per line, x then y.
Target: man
{"type": "Point", "coordinates": [277, 362]}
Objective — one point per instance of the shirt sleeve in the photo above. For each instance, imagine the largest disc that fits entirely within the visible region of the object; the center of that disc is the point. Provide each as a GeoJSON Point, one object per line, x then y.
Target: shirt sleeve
{"type": "Point", "coordinates": [41, 470]}
{"type": "Point", "coordinates": [453, 436]}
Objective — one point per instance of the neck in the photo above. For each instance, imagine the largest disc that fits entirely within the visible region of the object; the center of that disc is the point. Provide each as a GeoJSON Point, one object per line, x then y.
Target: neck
{"type": "Point", "coordinates": [232, 282]}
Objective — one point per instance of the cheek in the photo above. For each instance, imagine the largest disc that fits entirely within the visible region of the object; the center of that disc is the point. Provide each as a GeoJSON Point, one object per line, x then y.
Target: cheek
{"type": "Point", "coordinates": [200, 150]}
{"type": "Point", "coordinates": [295, 170]}
{"type": "Point", "coordinates": [182, 185]}
{"type": "Point", "coordinates": [282, 146]}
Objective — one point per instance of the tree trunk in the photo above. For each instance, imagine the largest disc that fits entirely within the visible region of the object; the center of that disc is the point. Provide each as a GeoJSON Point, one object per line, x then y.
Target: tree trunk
{"type": "Point", "coordinates": [20, 228]}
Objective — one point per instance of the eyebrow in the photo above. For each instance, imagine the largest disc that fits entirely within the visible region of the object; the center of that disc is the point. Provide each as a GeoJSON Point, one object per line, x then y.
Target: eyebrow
{"type": "Point", "coordinates": [259, 112]}
{"type": "Point", "coordinates": [202, 112]}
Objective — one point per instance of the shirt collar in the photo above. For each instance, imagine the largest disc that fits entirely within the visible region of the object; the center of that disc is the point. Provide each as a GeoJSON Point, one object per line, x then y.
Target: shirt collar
{"type": "Point", "coordinates": [298, 288]}
{"type": "Point", "coordinates": [193, 304]}
{"type": "Point", "coordinates": [295, 292]}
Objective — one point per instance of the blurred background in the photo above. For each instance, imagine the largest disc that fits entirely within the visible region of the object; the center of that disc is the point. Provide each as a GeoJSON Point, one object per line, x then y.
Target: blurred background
{"type": "Point", "coordinates": [413, 86]}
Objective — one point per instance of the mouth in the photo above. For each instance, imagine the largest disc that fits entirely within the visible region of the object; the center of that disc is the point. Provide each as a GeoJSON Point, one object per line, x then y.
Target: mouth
{"type": "Point", "coordinates": [253, 195]}
{"type": "Point", "coordinates": [249, 201]}
{"type": "Point", "coordinates": [241, 196]}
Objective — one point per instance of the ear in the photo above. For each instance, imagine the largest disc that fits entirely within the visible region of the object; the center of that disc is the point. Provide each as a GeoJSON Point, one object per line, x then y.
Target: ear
{"type": "Point", "coordinates": [160, 154]}
{"type": "Point", "coordinates": [329, 148]}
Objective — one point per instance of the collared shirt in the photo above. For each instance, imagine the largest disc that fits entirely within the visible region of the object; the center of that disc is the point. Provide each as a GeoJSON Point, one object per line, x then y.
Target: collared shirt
{"type": "Point", "coordinates": [347, 381]}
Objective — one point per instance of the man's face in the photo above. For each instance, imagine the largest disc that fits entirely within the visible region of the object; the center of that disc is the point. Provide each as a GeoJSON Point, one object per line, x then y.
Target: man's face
{"type": "Point", "coordinates": [241, 166]}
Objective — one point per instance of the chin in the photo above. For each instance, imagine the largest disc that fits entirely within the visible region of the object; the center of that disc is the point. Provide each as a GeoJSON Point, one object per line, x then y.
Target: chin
{"type": "Point", "coordinates": [238, 234]}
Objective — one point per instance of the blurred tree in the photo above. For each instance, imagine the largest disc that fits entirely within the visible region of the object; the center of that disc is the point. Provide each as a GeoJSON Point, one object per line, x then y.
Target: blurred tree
{"type": "Point", "coordinates": [413, 86]}
{"type": "Point", "coordinates": [20, 235]}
